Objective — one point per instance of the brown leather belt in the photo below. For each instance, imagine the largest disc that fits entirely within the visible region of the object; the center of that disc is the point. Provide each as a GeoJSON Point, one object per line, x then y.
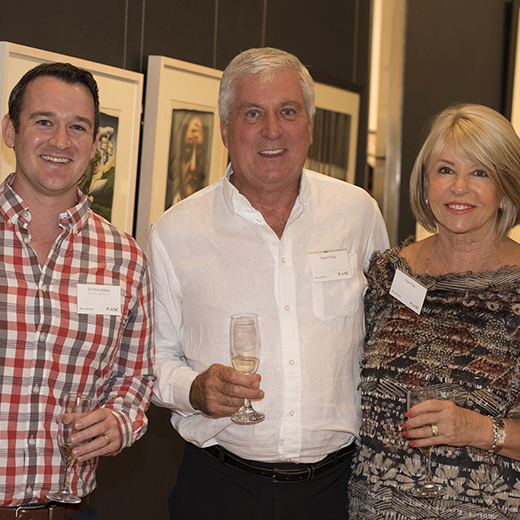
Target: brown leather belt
{"type": "Point", "coordinates": [301, 473]}
{"type": "Point", "coordinates": [43, 511]}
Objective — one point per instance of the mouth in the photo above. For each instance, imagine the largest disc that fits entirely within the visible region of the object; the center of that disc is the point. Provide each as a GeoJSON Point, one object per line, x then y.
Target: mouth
{"type": "Point", "coordinates": [272, 153]}
{"type": "Point", "coordinates": [459, 207]}
{"type": "Point", "coordinates": [55, 159]}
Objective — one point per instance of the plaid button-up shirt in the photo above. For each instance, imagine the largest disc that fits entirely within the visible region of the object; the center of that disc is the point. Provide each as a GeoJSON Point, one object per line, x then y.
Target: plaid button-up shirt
{"type": "Point", "coordinates": [48, 349]}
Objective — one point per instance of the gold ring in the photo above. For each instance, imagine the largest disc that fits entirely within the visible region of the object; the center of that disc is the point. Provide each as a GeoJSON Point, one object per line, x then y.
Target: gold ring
{"type": "Point", "coordinates": [107, 438]}
{"type": "Point", "coordinates": [435, 430]}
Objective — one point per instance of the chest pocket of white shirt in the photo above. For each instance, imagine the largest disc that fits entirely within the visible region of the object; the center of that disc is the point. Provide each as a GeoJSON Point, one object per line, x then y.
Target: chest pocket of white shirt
{"type": "Point", "coordinates": [336, 299]}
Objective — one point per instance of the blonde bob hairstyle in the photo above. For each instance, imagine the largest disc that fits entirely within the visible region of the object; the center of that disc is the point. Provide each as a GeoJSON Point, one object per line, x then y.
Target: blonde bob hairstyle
{"type": "Point", "coordinates": [478, 134]}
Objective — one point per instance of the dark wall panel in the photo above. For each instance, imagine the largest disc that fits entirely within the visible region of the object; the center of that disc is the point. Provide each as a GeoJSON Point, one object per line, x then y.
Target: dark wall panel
{"type": "Point", "coordinates": [240, 27]}
{"type": "Point", "coordinates": [455, 51]}
{"type": "Point", "coordinates": [93, 30]}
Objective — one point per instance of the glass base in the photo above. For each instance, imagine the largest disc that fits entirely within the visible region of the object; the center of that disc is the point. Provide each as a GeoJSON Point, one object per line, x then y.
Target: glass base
{"type": "Point", "coordinates": [64, 498]}
{"type": "Point", "coordinates": [247, 416]}
{"type": "Point", "coordinates": [429, 491]}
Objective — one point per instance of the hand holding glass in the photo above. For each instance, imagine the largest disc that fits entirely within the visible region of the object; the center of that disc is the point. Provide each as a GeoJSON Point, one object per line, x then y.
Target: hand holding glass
{"type": "Point", "coordinates": [74, 407]}
{"type": "Point", "coordinates": [415, 396]}
{"type": "Point", "coordinates": [245, 356]}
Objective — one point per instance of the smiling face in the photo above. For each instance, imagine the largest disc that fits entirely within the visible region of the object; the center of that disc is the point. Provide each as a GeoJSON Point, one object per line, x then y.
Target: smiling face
{"type": "Point", "coordinates": [462, 196]}
{"type": "Point", "coordinates": [269, 135]}
{"type": "Point", "coordinates": [55, 139]}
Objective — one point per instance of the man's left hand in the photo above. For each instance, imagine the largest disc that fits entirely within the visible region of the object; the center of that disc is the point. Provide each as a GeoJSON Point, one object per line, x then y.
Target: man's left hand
{"type": "Point", "coordinates": [101, 433]}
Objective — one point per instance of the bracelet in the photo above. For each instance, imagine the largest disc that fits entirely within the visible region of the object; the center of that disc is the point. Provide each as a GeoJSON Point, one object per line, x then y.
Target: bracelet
{"type": "Point", "coordinates": [499, 436]}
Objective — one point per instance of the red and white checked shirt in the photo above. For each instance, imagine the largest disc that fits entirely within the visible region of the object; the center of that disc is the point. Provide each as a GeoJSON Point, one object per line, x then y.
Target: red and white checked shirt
{"type": "Point", "coordinates": [47, 349]}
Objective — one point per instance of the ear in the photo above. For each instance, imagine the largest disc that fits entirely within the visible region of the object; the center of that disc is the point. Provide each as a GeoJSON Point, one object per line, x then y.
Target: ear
{"type": "Point", "coordinates": [311, 126]}
{"type": "Point", "coordinates": [8, 131]}
{"type": "Point", "coordinates": [94, 145]}
{"type": "Point", "coordinates": [224, 134]}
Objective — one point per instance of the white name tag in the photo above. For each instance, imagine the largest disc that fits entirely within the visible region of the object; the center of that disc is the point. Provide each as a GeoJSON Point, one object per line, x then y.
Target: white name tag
{"type": "Point", "coordinates": [408, 291]}
{"type": "Point", "coordinates": [329, 265]}
{"type": "Point", "coordinates": [99, 299]}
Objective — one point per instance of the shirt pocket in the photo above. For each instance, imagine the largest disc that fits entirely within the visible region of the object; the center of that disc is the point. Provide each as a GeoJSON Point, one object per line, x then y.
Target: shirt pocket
{"type": "Point", "coordinates": [340, 298]}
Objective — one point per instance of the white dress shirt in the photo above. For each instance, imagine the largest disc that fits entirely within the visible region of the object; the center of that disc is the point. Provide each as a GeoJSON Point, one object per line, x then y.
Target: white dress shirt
{"type": "Point", "coordinates": [213, 255]}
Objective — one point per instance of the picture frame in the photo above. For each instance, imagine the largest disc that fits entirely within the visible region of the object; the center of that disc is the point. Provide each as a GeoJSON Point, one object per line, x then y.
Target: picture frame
{"type": "Point", "coordinates": [336, 131]}
{"type": "Point", "coordinates": [120, 94]}
{"type": "Point", "coordinates": [173, 85]}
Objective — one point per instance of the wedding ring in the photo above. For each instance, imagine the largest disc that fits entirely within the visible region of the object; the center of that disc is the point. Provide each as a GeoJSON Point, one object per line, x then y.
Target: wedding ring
{"type": "Point", "coordinates": [108, 438]}
{"type": "Point", "coordinates": [434, 428]}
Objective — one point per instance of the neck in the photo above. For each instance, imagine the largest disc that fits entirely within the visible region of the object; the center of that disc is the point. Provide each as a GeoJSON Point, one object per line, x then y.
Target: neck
{"type": "Point", "coordinates": [274, 203]}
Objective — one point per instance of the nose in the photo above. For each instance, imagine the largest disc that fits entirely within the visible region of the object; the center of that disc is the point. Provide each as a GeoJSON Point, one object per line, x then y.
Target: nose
{"type": "Point", "coordinates": [60, 138]}
{"type": "Point", "coordinates": [460, 184]}
{"type": "Point", "coordinates": [272, 128]}
{"type": "Point", "coordinates": [193, 158]}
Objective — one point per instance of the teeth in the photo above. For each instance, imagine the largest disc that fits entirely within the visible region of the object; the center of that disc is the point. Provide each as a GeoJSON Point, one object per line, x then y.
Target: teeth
{"type": "Point", "coordinates": [55, 159]}
{"type": "Point", "coordinates": [458, 206]}
{"type": "Point", "coordinates": [272, 152]}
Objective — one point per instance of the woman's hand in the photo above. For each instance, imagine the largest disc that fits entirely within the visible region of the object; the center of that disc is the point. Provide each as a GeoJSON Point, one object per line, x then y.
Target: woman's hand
{"type": "Point", "coordinates": [436, 422]}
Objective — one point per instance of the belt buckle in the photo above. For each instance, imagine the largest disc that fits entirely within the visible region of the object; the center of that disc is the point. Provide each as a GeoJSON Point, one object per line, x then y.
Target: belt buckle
{"type": "Point", "coordinates": [22, 509]}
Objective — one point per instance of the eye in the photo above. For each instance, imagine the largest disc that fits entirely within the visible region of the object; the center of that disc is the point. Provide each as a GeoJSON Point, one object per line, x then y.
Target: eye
{"type": "Point", "coordinates": [288, 111]}
{"type": "Point", "coordinates": [43, 122]}
{"type": "Point", "coordinates": [480, 173]}
{"type": "Point", "coordinates": [79, 128]}
{"type": "Point", "coordinates": [445, 170]}
{"type": "Point", "coordinates": [252, 114]}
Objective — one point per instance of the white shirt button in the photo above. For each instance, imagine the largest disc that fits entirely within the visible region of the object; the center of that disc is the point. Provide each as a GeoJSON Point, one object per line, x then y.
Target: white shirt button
{"type": "Point", "coordinates": [43, 336]}
{"type": "Point", "coordinates": [258, 221]}
{"type": "Point", "coordinates": [44, 288]}
{"type": "Point", "coordinates": [32, 442]}
{"type": "Point", "coordinates": [28, 491]}
{"type": "Point", "coordinates": [291, 362]}
{"type": "Point", "coordinates": [287, 307]}
{"type": "Point", "coordinates": [291, 413]}
{"type": "Point", "coordinates": [26, 240]}
{"type": "Point", "coordinates": [284, 260]}
{"type": "Point", "coordinates": [36, 389]}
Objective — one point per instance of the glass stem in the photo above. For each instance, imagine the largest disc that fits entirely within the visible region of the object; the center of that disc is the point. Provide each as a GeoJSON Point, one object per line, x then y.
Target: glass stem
{"type": "Point", "coordinates": [66, 481]}
{"type": "Point", "coordinates": [247, 404]}
{"type": "Point", "coordinates": [428, 477]}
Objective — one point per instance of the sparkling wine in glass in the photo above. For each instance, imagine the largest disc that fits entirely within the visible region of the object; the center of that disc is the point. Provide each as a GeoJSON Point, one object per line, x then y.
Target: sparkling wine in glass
{"type": "Point", "coordinates": [74, 407]}
{"type": "Point", "coordinates": [245, 357]}
{"type": "Point", "coordinates": [415, 396]}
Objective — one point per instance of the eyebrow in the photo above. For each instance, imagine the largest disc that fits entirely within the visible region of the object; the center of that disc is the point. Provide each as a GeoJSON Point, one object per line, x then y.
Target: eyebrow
{"type": "Point", "coordinates": [283, 104]}
{"type": "Point", "coordinates": [78, 119]}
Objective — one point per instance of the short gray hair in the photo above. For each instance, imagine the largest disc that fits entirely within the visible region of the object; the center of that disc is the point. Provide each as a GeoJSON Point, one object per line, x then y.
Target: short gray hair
{"type": "Point", "coordinates": [264, 61]}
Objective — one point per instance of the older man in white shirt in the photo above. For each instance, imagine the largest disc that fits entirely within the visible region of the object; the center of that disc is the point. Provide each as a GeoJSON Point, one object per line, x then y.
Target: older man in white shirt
{"type": "Point", "coordinates": [289, 245]}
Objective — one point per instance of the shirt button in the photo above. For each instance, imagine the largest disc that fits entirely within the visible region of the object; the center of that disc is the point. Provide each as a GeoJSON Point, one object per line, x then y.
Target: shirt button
{"type": "Point", "coordinates": [291, 362]}
{"type": "Point", "coordinates": [258, 221]}
{"type": "Point", "coordinates": [291, 413]}
{"type": "Point", "coordinates": [25, 214]}
{"type": "Point", "coordinates": [36, 389]}
{"type": "Point", "coordinates": [43, 336]}
{"type": "Point", "coordinates": [287, 307]}
{"type": "Point", "coordinates": [32, 442]}
{"type": "Point", "coordinates": [284, 260]}
{"type": "Point", "coordinates": [28, 491]}
{"type": "Point", "coordinates": [44, 288]}
{"type": "Point", "coordinates": [26, 240]}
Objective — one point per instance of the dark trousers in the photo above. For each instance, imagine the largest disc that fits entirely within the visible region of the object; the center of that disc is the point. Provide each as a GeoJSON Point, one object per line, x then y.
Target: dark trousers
{"type": "Point", "coordinates": [210, 490]}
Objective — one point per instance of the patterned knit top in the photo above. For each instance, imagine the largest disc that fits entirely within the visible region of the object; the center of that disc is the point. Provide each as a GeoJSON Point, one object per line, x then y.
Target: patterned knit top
{"type": "Point", "coordinates": [467, 336]}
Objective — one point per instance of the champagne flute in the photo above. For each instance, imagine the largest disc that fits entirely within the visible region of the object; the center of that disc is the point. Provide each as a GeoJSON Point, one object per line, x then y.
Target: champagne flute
{"type": "Point", "coordinates": [245, 357]}
{"type": "Point", "coordinates": [75, 406]}
{"type": "Point", "coordinates": [415, 396]}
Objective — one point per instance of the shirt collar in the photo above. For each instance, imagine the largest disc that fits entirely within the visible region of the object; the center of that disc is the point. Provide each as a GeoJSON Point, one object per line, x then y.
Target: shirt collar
{"type": "Point", "coordinates": [232, 196]}
{"type": "Point", "coordinates": [15, 211]}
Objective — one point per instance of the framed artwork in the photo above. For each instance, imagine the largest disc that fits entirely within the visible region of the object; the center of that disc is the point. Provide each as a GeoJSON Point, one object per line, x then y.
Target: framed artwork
{"type": "Point", "coordinates": [182, 150]}
{"type": "Point", "coordinates": [110, 180]}
{"type": "Point", "coordinates": [335, 133]}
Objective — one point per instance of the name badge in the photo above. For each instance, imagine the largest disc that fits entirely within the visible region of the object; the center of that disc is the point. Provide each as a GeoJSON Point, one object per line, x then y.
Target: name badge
{"type": "Point", "coordinates": [408, 291]}
{"type": "Point", "coordinates": [329, 265]}
{"type": "Point", "coordinates": [99, 299]}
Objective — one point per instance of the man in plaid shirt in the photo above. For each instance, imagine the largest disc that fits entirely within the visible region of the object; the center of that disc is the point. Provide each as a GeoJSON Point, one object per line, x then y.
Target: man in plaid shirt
{"type": "Point", "coordinates": [55, 336]}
